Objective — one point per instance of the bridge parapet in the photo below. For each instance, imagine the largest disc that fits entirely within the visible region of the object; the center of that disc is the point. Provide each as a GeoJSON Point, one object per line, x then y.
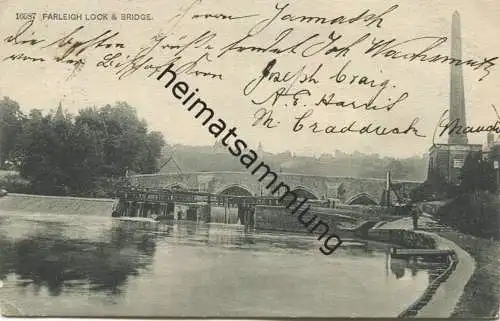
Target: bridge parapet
{"type": "Point", "coordinates": [322, 187]}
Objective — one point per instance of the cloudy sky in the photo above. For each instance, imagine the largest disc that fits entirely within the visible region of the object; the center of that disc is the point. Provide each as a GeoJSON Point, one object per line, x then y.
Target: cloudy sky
{"type": "Point", "coordinates": [45, 84]}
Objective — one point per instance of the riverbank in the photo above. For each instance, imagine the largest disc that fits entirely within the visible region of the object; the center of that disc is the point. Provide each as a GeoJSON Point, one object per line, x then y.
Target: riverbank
{"type": "Point", "coordinates": [444, 300]}
{"type": "Point", "coordinates": [481, 295]}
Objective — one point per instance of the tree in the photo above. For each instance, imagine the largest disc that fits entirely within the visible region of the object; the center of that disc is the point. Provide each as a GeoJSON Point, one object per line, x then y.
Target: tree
{"type": "Point", "coordinates": [154, 144]}
{"type": "Point", "coordinates": [477, 175]}
{"type": "Point", "coordinates": [487, 176]}
{"type": "Point", "coordinates": [45, 156]}
{"type": "Point", "coordinates": [85, 155]}
{"type": "Point", "coordinates": [11, 120]}
{"type": "Point", "coordinates": [469, 179]}
{"type": "Point", "coordinates": [121, 140]}
{"type": "Point", "coordinates": [435, 187]}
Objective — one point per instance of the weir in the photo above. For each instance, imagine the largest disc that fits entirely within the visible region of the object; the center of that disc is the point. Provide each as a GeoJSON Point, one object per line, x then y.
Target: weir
{"type": "Point", "coordinates": [56, 204]}
{"type": "Point", "coordinates": [168, 204]}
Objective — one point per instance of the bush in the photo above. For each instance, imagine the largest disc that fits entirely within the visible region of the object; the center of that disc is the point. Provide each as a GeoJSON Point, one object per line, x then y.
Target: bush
{"type": "Point", "coordinates": [13, 183]}
{"type": "Point", "coordinates": [476, 214]}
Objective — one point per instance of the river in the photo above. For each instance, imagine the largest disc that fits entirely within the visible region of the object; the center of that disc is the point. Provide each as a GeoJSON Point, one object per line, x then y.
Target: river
{"type": "Point", "coordinates": [71, 265]}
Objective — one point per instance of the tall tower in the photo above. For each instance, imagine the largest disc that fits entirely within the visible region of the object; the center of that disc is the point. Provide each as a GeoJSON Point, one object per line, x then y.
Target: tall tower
{"type": "Point", "coordinates": [457, 98]}
{"type": "Point", "coordinates": [447, 160]}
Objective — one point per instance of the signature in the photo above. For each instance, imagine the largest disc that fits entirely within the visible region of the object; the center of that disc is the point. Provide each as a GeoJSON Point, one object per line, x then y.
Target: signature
{"type": "Point", "coordinates": [456, 126]}
{"type": "Point", "coordinates": [288, 77]}
{"type": "Point", "coordinates": [395, 50]}
{"type": "Point", "coordinates": [355, 127]}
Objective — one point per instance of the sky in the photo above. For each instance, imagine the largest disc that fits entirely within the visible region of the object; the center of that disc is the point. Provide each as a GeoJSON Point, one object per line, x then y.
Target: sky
{"type": "Point", "coordinates": [45, 84]}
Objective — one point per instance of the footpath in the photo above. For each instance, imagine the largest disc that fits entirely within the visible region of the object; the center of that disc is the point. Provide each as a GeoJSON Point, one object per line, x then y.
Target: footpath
{"type": "Point", "coordinates": [444, 301]}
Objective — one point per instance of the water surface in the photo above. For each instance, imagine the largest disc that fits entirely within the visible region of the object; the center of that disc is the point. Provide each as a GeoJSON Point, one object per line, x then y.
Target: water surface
{"type": "Point", "coordinates": [70, 265]}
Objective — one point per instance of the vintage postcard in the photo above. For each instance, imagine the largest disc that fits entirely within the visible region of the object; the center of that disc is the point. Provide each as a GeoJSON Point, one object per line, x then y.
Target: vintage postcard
{"type": "Point", "coordinates": [249, 159]}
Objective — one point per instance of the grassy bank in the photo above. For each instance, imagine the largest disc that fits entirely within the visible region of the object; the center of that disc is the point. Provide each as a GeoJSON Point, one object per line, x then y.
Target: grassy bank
{"type": "Point", "coordinates": [475, 214]}
{"type": "Point", "coordinates": [481, 297]}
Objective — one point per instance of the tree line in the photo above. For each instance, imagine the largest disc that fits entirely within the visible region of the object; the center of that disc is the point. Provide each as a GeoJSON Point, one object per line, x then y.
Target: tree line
{"type": "Point", "coordinates": [475, 207]}
{"type": "Point", "coordinates": [83, 155]}
{"type": "Point", "coordinates": [476, 176]}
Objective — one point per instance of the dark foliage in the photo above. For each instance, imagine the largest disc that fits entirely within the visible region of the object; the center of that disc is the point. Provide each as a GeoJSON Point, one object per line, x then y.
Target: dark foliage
{"type": "Point", "coordinates": [475, 207]}
{"type": "Point", "coordinates": [11, 120]}
{"type": "Point", "coordinates": [434, 188]}
{"type": "Point", "coordinates": [86, 155]}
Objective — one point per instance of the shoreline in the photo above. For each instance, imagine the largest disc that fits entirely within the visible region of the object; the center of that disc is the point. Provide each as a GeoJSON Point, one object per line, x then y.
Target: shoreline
{"type": "Point", "coordinates": [447, 295]}
{"type": "Point", "coordinates": [481, 295]}
{"type": "Point", "coordinates": [437, 301]}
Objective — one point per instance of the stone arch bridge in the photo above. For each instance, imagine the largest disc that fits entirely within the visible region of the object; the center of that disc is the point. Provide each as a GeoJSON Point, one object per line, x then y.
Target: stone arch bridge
{"type": "Point", "coordinates": [348, 190]}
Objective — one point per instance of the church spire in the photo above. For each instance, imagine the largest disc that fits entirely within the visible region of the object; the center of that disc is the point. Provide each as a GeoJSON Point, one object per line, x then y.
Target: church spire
{"type": "Point", "coordinates": [59, 113]}
{"type": "Point", "coordinates": [457, 98]}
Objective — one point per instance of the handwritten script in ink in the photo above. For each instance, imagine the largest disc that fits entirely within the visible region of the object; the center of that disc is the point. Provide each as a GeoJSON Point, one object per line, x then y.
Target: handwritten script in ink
{"type": "Point", "coordinates": [330, 49]}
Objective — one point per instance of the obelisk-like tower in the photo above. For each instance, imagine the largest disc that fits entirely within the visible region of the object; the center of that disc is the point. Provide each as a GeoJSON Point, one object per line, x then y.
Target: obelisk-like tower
{"type": "Point", "coordinates": [457, 98]}
{"type": "Point", "coordinates": [447, 160]}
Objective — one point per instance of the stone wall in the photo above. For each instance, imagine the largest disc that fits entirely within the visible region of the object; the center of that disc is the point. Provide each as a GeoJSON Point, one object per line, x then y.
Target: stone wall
{"type": "Point", "coordinates": [405, 238]}
{"type": "Point", "coordinates": [279, 218]}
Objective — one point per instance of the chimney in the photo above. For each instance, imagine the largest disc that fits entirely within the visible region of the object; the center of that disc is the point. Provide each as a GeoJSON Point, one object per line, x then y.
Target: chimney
{"type": "Point", "coordinates": [457, 98]}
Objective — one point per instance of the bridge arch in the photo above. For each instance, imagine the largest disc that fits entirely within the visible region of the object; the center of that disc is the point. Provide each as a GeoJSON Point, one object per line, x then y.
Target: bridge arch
{"type": "Point", "coordinates": [362, 199]}
{"type": "Point", "coordinates": [304, 192]}
{"type": "Point", "coordinates": [234, 189]}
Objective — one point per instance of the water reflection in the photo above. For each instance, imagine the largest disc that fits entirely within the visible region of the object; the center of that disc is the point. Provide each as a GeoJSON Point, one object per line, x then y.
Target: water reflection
{"type": "Point", "coordinates": [411, 267]}
{"type": "Point", "coordinates": [48, 258]}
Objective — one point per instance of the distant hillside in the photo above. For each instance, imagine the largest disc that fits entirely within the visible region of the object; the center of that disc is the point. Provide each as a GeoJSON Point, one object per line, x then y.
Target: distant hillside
{"type": "Point", "coordinates": [216, 158]}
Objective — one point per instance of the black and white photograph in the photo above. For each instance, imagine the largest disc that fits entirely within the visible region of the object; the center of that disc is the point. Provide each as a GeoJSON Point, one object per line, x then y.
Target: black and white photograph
{"type": "Point", "coordinates": [254, 159]}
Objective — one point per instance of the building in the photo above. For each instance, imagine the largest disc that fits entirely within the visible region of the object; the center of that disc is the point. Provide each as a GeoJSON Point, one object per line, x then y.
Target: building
{"type": "Point", "coordinates": [448, 159]}
{"type": "Point", "coordinates": [492, 154]}
{"type": "Point", "coordinates": [492, 148]}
